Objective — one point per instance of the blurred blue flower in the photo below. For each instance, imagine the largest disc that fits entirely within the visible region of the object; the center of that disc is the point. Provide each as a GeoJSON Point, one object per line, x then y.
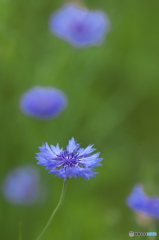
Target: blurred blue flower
{"type": "Point", "coordinates": [72, 162]}
{"type": "Point", "coordinates": [140, 202]}
{"type": "Point", "coordinates": [43, 102]}
{"type": "Point", "coordinates": [79, 26]}
{"type": "Point", "coordinates": [22, 185]}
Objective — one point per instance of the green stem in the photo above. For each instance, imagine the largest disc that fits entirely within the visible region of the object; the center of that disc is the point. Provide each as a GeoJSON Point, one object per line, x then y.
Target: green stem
{"type": "Point", "coordinates": [20, 231]}
{"type": "Point", "coordinates": [55, 210]}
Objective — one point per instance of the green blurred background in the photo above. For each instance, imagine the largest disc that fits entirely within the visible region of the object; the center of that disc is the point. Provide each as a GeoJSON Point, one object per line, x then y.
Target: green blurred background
{"type": "Point", "coordinates": [113, 93]}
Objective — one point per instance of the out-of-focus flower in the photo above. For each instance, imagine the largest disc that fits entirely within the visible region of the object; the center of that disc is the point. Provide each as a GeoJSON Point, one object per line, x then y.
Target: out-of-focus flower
{"type": "Point", "coordinates": [140, 202]}
{"type": "Point", "coordinates": [43, 102]}
{"type": "Point", "coordinates": [79, 26]}
{"type": "Point", "coordinates": [72, 162]}
{"type": "Point", "coordinates": [22, 186]}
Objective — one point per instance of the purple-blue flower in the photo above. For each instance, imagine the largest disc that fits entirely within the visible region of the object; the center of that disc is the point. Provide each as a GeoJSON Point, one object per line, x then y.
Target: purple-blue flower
{"type": "Point", "coordinates": [22, 185]}
{"type": "Point", "coordinates": [79, 26]}
{"type": "Point", "coordinates": [140, 202]}
{"type": "Point", "coordinates": [43, 102]}
{"type": "Point", "coordinates": [72, 162]}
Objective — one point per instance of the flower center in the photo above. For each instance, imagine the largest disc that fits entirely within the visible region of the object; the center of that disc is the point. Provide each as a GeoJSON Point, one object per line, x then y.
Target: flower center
{"type": "Point", "coordinates": [67, 159]}
{"type": "Point", "coordinates": [79, 28]}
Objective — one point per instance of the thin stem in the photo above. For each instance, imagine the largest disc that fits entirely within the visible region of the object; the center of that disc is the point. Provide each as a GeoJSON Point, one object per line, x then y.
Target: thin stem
{"type": "Point", "coordinates": [55, 210]}
{"type": "Point", "coordinates": [20, 231]}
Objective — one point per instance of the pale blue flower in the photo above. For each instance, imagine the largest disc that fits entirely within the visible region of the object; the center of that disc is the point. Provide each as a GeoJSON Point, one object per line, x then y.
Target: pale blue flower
{"type": "Point", "coordinates": [22, 185]}
{"type": "Point", "coordinates": [79, 26]}
{"type": "Point", "coordinates": [72, 162]}
{"type": "Point", "coordinates": [140, 202]}
{"type": "Point", "coordinates": [43, 102]}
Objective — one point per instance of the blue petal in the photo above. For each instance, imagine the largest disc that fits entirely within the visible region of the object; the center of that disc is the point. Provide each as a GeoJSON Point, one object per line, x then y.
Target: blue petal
{"type": "Point", "coordinates": [152, 207]}
{"type": "Point", "coordinates": [72, 145]}
{"type": "Point", "coordinates": [137, 199]}
{"type": "Point", "coordinates": [91, 160]}
{"type": "Point", "coordinates": [86, 151]}
{"type": "Point", "coordinates": [46, 151]}
{"type": "Point", "coordinates": [56, 150]}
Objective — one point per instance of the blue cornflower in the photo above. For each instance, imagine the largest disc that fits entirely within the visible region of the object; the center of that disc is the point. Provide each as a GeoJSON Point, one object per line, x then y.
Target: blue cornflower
{"type": "Point", "coordinates": [43, 102]}
{"type": "Point", "coordinates": [72, 162]}
{"type": "Point", "coordinates": [79, 26]}
{"type": "Point", "coordinates": [140, 202]}
{"type": "Point", "coordinates": [22, 185]}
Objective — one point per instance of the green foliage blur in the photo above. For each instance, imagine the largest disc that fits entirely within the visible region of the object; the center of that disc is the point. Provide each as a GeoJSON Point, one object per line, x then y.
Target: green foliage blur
{"type": "Point", "coordinates": [113, 93]}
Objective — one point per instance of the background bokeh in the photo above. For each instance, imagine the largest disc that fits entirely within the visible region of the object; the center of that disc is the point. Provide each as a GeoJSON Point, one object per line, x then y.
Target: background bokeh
{"type": "Point", "coordinates": [113, 93]}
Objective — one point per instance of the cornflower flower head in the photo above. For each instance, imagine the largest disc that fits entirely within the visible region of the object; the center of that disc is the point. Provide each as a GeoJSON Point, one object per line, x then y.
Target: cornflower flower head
{"type": "Point", "coordinates": [22, 186]}
{"type": "Point", "coordinates": [79, 26]}
{"type": "Point", "coordinates": [142, 203]}
{"type": "Point", "coordinates": [72, 162]}
{"type": "Point", "coordinates": [43, 102]}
